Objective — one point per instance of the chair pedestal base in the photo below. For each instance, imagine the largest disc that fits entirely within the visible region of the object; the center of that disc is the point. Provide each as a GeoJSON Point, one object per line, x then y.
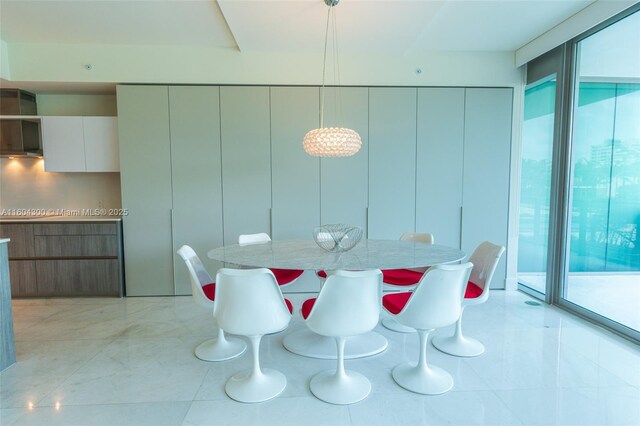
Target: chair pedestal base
{"type": "Point", "coordinates": [307, 343]}
{"type": "Point", "coordinates": [458, 345]}
{"type": "Point", "coordinates": [428, 381]}
{"type": "Point", "coordinates": [220, 350]}
{"type": "Point", "coordinates": [330, 387]}
{"type": "Point", "coordinates": [249, 387]}
{"type": "Point", "coordinates": [394, 325]}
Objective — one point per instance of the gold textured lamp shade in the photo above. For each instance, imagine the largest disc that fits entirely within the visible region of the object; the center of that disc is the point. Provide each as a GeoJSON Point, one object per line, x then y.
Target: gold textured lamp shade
{"type": "Point", "coordinates": [332, 142]}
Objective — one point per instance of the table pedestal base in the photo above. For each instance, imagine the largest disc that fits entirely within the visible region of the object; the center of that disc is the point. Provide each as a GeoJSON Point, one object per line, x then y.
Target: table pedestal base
{"type": "Point", "coordinates": [312, 345]}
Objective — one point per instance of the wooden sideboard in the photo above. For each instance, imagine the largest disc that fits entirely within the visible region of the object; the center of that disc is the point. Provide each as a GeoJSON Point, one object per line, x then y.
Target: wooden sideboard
{"type": "Point", "coordinates": [66, 258]}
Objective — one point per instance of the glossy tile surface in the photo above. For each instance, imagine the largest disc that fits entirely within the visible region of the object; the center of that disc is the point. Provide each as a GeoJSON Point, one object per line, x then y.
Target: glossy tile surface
{"type": "Point", "coordinates": [130, 361]}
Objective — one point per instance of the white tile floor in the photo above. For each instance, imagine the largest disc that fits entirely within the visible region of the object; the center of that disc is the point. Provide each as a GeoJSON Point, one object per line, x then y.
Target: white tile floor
{"type": "Point", "coordinates": [613, 295]}
{"type": "Point", "coordinates": [130, 361]}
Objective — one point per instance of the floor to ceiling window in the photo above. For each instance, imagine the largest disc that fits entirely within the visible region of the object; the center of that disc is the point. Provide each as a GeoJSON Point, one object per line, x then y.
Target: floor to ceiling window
{"type": "Point", "coordinates": [603, 273]}
{"type": "Point", "coordinates": [535, 183]}
{"type": "Point", "coordinates": [579, 210]}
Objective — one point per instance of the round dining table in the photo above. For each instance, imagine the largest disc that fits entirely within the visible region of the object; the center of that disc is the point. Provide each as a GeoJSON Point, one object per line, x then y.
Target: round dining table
{"type": "Point", "coordinates": [307, 255]}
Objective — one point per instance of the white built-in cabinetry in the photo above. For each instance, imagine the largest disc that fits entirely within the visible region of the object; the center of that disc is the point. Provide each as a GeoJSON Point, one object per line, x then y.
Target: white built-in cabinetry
{"type": "Point", "coordinates": [439, 160]}
{"type": "Point", "coordinates": [246, 150]}
{"type": "Point", "coordinates": [196, 179]}
{"type": "Point", "coordinates": [201, 165]}
{"type": "Point", "coordinates": [80, 144]}
{"type": "Point", "coordinates": [392, 161]}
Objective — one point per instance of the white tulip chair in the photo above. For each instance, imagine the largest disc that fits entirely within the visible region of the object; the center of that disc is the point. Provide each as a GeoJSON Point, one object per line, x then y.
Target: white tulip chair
{"type": "Point", "coordinates": [348, 305]}
{"type": "Point", "coordinates": [435, 303]}
{"type": "Point", "coordinates": [485, 259]}
{"type": "Point", "coordinates": [404, 279]}
{"type": "Point", "coordinates": [203, 290]}
{"type": "Point", "coordinates": [283, 276]}
{"type": "Point", "coordinates": [249, 303]}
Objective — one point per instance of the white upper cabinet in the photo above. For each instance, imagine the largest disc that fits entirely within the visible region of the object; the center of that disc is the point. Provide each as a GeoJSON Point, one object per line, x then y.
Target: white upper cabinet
{"type": "Point", "coordinates": [63, 144]}
{"type": "Point", "coordinates": [80, 144]}
{"type": "Point", "coordinates": [101, 144]}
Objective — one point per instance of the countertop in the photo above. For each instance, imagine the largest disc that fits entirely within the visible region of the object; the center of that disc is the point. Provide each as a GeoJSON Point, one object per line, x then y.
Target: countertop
{"type": "Point", "coordinates": [53, 219]}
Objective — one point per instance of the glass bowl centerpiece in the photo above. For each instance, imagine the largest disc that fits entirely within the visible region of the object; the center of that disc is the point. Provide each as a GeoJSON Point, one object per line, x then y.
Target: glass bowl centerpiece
{"type": "Point", "coordinates": [337, 238]}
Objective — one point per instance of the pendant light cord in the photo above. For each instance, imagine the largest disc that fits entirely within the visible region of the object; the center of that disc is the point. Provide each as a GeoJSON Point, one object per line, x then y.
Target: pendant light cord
{"type": "Point", "coordinates": [324, 68]}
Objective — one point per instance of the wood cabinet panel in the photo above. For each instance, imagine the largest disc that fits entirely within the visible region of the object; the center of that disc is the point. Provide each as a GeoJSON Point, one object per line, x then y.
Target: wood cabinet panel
{"type": "Point", "coordinates": [82, 277]}
{"type": "Point", "coordinates": [74, 229]}
{"type": "Point", "coordinates": [76, 245]}
{"type": "Point", "coordinates": [21, 235]}
{"type": "Point", "coordinates": [23, 278]}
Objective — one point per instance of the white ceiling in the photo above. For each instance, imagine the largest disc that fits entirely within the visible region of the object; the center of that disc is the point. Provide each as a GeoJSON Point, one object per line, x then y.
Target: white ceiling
{"type": "Point", "coordinates": [396, 26]}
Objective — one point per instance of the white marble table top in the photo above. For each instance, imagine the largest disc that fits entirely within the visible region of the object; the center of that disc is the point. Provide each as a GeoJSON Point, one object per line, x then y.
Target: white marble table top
{"type": "Point", "coordinates": [368, 254]}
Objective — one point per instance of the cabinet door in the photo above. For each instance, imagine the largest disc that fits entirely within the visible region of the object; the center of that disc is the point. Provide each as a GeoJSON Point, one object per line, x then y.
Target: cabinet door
{"type": "Point", "coordinates": [295, 174]}
{"type": "Point", "coordinates": [344, 181]}
{"type": "Point", "coordinates": [23, 278]}
{"type": "Point", "coordinates": [21, 236]}
{"type": "Point", "coordinates": [439, 164]}
{"type": "Point", "coordinates": [246, 171]}
{"type": "Point", "coordinates": [145, 178]}
{"type": "Point", "coordinates": [392, 162]}
{"type": "Point", "coordinates": [196, 174]}
{"type": "Point", "coordinates": [487, 150]}
{"type": "Point", "coordinates": [63, 144]}
{"type": "Point", "coordinates": [78, 277]}
{"type": "Point", "coordinates": [101, 144]}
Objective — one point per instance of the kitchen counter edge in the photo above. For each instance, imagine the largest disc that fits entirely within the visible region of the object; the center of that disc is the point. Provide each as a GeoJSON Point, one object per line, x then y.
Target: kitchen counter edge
{"type": "Point", "coordinates": [64, 219]}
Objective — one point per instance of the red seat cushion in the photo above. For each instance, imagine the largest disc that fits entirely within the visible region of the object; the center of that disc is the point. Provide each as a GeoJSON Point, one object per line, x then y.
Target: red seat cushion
{"type": "Point", "coordinates": [289, 305]}
{"type": "Point", "coordinates": [307, 306]}
{"type": "Point", "coordinates": [401, 276]}
{"type": "Point", "coordinates": [472, 291]}
{"type": "Point", "coordinates": [395, 302]}
{"type": "Point", "coordinates": [285, 276]}
{"type": "Point", "coordinates": [321, 274]}
{"type": "Point", "coordinates": [209, 290]}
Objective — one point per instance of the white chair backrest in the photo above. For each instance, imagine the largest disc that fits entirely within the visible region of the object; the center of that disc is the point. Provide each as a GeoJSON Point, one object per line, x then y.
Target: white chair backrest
{"type": "Point", "coordinates": [249, 302]}
{"type": "Point", "coordinates": [348, 304]}
{"type": "Point", "coordinates": [485, 259]}
{"type": "Point", "coordinates": [198, 274]}
{"type": "Point", "coordinates": [437, 300]}
{"type": "Point", "coordinates": [253, 238]}
{"type": "Point", "coordinates": [418, 237]}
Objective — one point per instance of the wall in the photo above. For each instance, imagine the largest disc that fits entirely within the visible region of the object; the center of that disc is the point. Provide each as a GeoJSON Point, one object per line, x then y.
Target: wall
{"type": "Point", "coordinates": [77, 104]}
{"type": "Point", "coordinates": [5, 70]}
{"type": "Point", "coordinates": [202, 65]}
{"type": "Point", "coordinates": [25, 185]}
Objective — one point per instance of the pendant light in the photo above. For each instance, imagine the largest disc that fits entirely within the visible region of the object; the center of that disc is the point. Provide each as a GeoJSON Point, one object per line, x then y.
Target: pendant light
{"type": "Point", "coordinates": [330, 141]}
